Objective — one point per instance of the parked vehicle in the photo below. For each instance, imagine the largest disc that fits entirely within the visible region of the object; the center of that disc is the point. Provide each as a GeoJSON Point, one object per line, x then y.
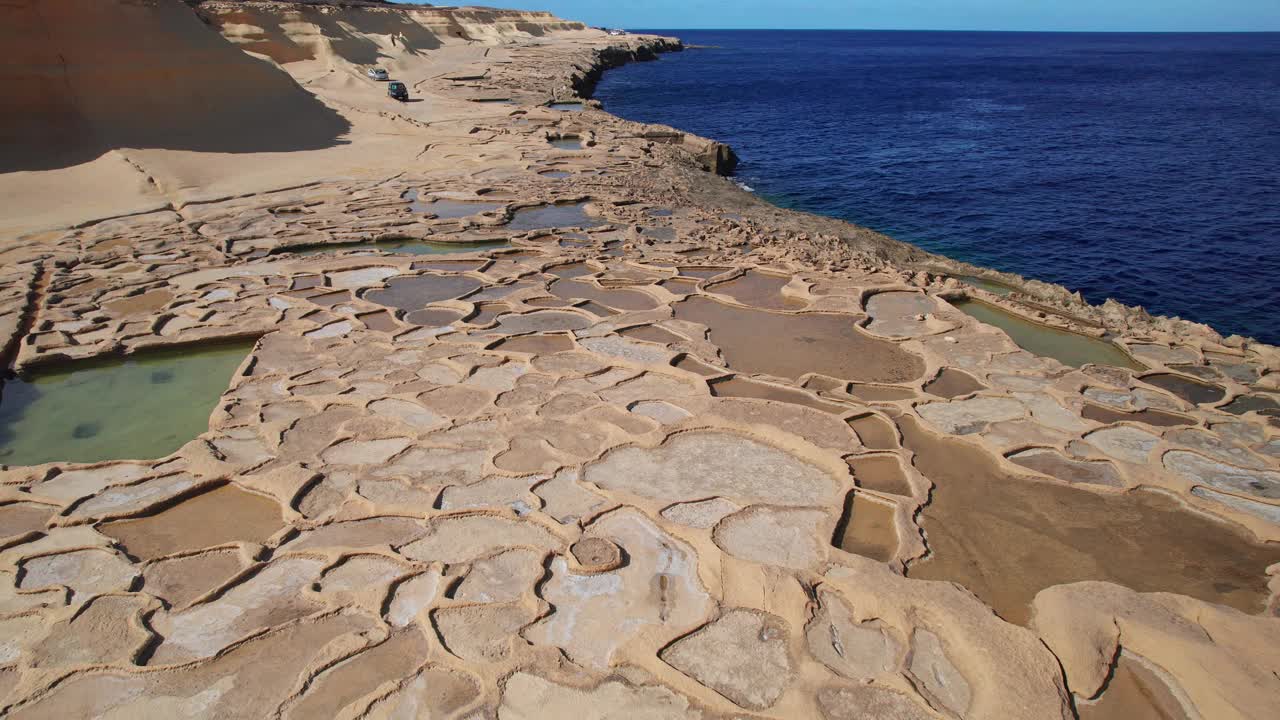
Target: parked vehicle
{"type": "Point", "coordinates": [377, 74]}
{"type": "Point", "coordinates": [398, 91]}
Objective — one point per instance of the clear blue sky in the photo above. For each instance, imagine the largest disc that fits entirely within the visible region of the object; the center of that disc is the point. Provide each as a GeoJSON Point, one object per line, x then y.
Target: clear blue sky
{"type": "Point", "coordinates": [1101, 15]}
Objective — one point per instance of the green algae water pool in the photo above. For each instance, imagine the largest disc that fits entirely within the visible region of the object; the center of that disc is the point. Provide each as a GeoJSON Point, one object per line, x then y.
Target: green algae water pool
{"type": "Point", "coordinates": [1066, 347]}
{"type": "Point", "coordinates": [991, 286]}
{"type": "Point", "coordinates": [138, 407]}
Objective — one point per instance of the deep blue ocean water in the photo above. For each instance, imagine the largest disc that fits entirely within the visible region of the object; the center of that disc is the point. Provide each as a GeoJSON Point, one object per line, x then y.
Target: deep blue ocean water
{"type": "Point", "coordinates": [1143, 167]}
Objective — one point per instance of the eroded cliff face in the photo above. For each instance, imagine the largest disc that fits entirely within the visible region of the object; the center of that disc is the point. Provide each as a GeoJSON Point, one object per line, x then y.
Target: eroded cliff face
{"type": "Point", "coordinates": [289, 32]}
{"type": "Point", "coordinates": [326, 46]}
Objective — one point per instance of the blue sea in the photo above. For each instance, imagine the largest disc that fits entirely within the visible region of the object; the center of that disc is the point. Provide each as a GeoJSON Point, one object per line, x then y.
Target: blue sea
{"type": "Point", "coordinates": [1144, 167]}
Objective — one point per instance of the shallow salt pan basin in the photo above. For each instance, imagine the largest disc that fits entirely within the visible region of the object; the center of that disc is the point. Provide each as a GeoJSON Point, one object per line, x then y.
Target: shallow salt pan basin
{"type": "Point", "coordinates": [400, 247]}
{"type": "Point", "coordinates": [139, 407]}
{"type": "Point", "coordinates": [867, 528]}
{"type": "Point", "coordinates": [1068, 348]}
{"type": "Point", "coordinates": [783, 345]}
{"type": "Point", "coordinates": [760, 290]}
{"type": "Point", "coordinates": [554, 216]}
{"type": "Point", "coordinates": [241, 517]}
{"type": "Point", "coordinates": [1134, 690]}
{"type": "Point", "coordinates": [566, 106]}
{"type": "Point", "coordinates": [1193, 391]}
{"type": "Point", "coordinates": [1262, 404]}
{"type": "Point", "coordinates": [740, 387]}
{"type": "Point", "coordinates": [418, 291]}
{"type": "Point", "coordinates": [448, 209]}
{"type": "Point", "coordinates": [566, 143]}
{"type": "Point", "coordinates": [1006, 536]}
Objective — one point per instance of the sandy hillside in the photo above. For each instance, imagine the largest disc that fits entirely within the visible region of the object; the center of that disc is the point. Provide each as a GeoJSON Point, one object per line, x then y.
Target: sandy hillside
{"type": "Point", "coordinates": [121, 126]}
{"type": "Point", "coordinates": [92, 76]}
